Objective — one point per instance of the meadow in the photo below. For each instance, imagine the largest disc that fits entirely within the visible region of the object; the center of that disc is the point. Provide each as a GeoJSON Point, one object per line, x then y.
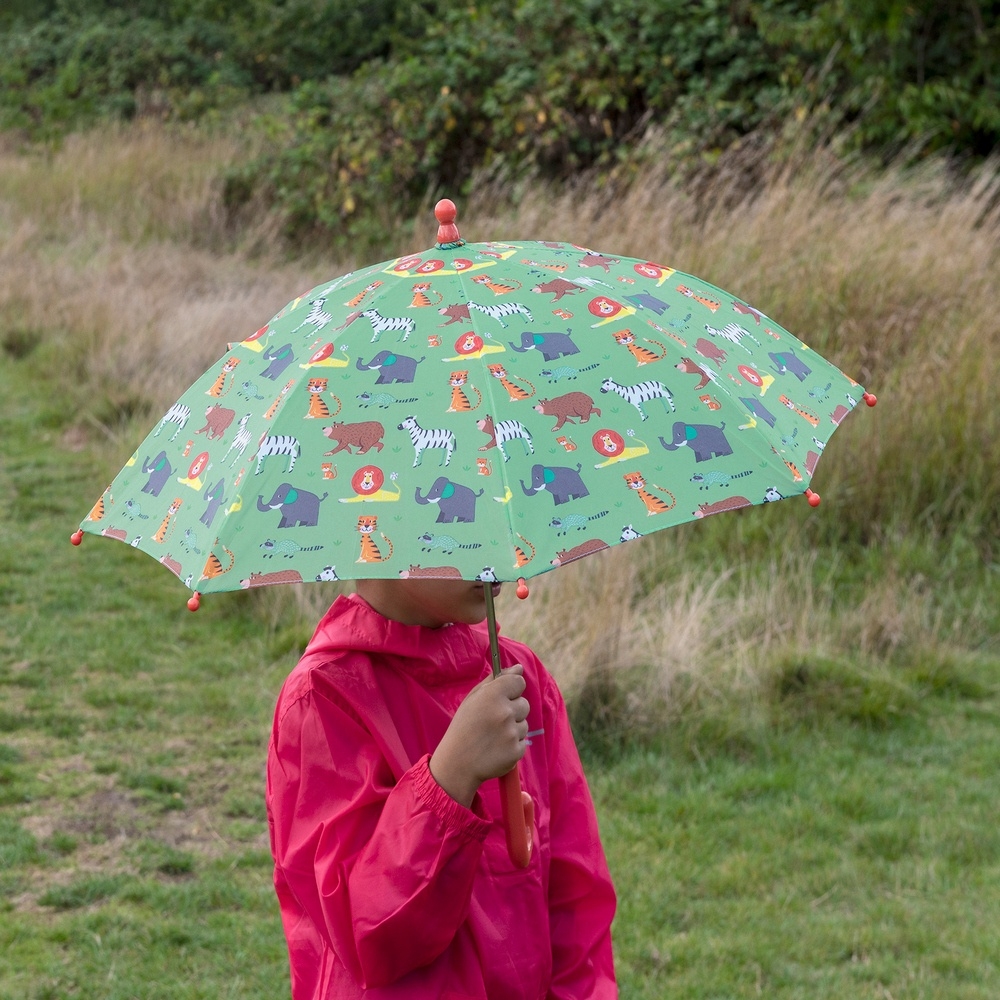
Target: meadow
{"type": "Point", "coordinates": [789, 716]}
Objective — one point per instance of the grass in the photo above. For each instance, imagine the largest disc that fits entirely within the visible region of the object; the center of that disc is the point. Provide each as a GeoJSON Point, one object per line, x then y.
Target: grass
{"type": "Point", "coordinates": [789, 719]}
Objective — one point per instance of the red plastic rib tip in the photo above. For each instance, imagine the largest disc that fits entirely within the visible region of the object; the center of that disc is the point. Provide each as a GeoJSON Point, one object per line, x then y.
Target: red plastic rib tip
{"type": "Point", "coordinates": [194, 603]}
{"type": "Point", "coordinates": [522, 589]}
{"type": "Point", "coordinates": [76, 537]}
{"type": "Point", "coordinates": [446, 213]}
{"type": "Point", "coordinates": [813, 498]}
{"type": "Point", "coordinates": [870, 398]}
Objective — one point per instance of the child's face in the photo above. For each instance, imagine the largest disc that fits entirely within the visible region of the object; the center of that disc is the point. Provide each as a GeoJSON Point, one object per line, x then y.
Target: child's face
{"type": "Point", "coordinates": [427, 602]}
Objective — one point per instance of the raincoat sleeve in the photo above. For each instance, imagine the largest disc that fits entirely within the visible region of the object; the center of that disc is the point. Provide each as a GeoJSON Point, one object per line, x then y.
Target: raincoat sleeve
{"type": "Point", "coordinates": [382, 868]}
{"type": "Point", "coordinates": [581, 894]}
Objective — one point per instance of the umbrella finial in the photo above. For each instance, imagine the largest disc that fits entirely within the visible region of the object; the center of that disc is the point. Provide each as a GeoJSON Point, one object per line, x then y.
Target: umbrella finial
{"type": "Point", "coordinates": [448, 235]}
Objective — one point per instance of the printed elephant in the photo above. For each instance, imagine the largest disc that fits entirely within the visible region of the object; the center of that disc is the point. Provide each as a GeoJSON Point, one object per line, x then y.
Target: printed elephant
{"type": "Point", "coordinates": [705, 440]}
{"type": "Point", "coordinates": [455, 501]}
{"type": "Point", "coordinates": [298, 507]}
{"type": "Point", "coordinates": [159, 471]}
{"type": "Point", "coordinates": [280, 358]}
{"type": "Point", "coordinates": [788, 362]}
{"type": "Point", "coordinates": [563, 483]}
{"type": "Point", "coordinates": [215, 495]}
{"type": "Point", "coordinates": [552, 345]}
{"type": "Point", "coordinates": [391, 367]}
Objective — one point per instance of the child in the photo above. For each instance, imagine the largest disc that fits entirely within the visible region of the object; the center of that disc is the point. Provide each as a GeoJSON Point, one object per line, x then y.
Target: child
{"type": "Point", "coordinates": [391, 863]}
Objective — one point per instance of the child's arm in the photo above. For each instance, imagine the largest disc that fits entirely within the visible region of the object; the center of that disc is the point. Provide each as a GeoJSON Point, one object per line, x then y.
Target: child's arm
{"type": "Point", "coordinates": [485, 738]}
{"type": "Point", "coordinates": [385, 869]}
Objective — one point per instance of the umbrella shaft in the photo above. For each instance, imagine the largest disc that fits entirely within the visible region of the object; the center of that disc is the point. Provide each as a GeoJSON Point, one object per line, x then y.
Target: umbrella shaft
{"type": "Point", "coordinates": [491, 622]}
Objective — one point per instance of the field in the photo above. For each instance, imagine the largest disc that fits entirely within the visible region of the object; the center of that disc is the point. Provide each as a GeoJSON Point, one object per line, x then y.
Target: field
{"type": "Point", "coordinates": [789, 718]}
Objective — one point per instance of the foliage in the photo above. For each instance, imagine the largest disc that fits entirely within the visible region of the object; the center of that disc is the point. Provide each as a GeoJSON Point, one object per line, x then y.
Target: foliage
{"type": "Point", "coordinates": [557, 88]}
{"type": "Point", "coordinates": [390, 100]}
{"type": "Point", "coordinates": [550, 87]}
{"type": "Point", "coordinates": [97, 59]}
{"type": "Point", "coordinates": [922, 72]}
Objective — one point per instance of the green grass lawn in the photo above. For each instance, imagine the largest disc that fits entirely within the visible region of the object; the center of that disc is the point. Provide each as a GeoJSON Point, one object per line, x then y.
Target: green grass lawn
{"type": "Point", "coordinates": [826, 857]}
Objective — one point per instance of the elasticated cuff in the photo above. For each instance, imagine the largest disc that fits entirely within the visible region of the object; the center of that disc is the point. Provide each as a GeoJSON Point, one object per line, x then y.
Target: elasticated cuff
{"type": "Point", "coordinates": [473, 822]}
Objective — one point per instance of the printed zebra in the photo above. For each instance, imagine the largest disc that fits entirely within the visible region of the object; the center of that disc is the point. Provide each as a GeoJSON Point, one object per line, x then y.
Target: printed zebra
{"type": "Point", "coordinates": [430, 438]}
{"type": "Point", "coordinates": [734, 333]}
{"type": "Point", "coordinates": [502, 310]}
{"type": "Point", "coordinates": [240, 441]}
{"type": "Point", "coordinates": [277, 444]}
{"type": "Point", "coordinates": [316, 316]}
{"type": "Point", "coordinates": [640, 394]}
{"type": "Point", "coordinates": [178, 414]}
{"type": "Point", "coordinates": [382, 323]}
{"type": "Point", "coordinates": [502, 432]}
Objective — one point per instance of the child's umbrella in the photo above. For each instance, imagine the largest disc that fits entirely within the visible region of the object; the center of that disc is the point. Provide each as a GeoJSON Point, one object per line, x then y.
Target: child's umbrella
{"type": "Point", "coordinates": [479, 411]}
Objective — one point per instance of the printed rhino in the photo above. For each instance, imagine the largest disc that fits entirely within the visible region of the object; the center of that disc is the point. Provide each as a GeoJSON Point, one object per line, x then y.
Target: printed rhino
{"type": "Point", "coordinates": [705, 440]}
{"type": "Point", "coordinates": [551, 345]}
{"type": "Point", "coordinates": [298, 507]}
{"type": "Point", "coordinates": [391, 367]}
{"type": "Point", "coordinates": [563, 483]}
{"type": "Point", "coordinates": [455, 501]}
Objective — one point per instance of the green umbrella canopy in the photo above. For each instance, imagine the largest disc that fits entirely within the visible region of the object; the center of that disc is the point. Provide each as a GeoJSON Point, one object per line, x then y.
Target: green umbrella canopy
{"type": "Point", "coordinates": [475, 411]}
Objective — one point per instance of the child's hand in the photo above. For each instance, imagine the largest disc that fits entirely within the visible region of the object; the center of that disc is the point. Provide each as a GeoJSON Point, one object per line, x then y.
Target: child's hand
{"type": "Point", "coordinates": [486, 738]}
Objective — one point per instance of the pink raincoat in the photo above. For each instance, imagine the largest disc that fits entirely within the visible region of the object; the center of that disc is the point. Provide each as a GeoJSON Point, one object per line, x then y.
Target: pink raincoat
{"type": "Point", "coordinates": [388, 887]}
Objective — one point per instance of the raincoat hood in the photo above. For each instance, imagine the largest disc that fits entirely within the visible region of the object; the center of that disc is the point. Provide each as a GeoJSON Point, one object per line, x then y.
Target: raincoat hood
{"type": "Point", "coordinates": [447, 655]}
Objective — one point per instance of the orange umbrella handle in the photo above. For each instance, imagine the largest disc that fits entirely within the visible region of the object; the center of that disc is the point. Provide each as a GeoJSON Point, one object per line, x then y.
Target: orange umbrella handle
{"type": "Point", "coordinates": [518, 818]}
{"type": "Point", "coordinates": [516, 806]}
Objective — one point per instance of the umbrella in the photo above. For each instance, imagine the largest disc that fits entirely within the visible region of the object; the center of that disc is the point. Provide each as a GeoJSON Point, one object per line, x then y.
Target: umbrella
{"type": "Point", "coordinates": [481, 411]}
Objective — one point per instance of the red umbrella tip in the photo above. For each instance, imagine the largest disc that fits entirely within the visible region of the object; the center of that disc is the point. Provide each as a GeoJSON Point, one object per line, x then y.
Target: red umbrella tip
{"type": "Point", "coordinates": [522, 589]}
{"type": "Point", "coordinates": [870, 398]}
{"type": "Point", "coordinates": [76, 537]}
{"type": "Point", "coordinates": [813, 498]}
{"type": "Point", "coordinates": [194, 603]}
{"type": "Point", "coordinates": [446, 213]}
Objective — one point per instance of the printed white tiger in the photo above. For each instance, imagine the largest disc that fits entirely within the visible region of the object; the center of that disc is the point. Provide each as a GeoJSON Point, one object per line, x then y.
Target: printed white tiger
{"type": "Point", "coordinates": [278, 444]}
{"type": "Point", "coordinates": [178, 414]}
{"type": "Point", "coordinates": [502, 310]}
{"type": "Point", "coordinates": [240, 442]}
{"type": "Point", "coordinates": [640, 393]}
{"type": "Point", "coordinates": [393, 324]}
{"type": "Point", "coordinates": [316, 316]}
{"type": "Point", "coordinates": [423, 439]}
{"type": "Point", "coordinates": [734, 333]}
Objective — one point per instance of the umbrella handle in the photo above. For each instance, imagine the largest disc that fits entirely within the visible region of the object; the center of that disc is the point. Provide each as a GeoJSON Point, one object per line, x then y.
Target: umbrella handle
{"type": "Point", "coordinates": [518, 818]}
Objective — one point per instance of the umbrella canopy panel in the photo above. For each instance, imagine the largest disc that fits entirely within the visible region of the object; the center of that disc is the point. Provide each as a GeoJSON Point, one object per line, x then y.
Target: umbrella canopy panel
{"type": "Point", "coordinates": [486, 410]}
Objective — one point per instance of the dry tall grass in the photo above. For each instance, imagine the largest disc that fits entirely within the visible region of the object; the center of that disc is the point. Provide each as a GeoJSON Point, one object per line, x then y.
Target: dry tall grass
{"type": "Point", "coordinates": [110, 247]}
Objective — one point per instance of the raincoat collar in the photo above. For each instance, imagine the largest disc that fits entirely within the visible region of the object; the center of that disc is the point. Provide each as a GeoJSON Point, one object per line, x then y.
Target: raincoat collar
{"type": "Point", "coordinates": [451, 653]}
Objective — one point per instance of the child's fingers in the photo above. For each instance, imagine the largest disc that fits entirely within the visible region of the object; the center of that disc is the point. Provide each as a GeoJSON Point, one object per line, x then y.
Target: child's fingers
{"type": "Point", "coordinates": [513, 681]}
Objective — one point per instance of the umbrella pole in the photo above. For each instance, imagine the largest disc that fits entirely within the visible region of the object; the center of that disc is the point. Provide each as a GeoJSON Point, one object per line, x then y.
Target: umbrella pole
{"type": "Point", "coordinates": [517, 807]}
{"type": "Point", "coordinates": [491, 622]}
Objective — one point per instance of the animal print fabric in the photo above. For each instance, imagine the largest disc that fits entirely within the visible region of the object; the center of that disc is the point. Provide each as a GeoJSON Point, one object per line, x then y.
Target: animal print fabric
{"type": "Point", "coordinates": [492, 410]}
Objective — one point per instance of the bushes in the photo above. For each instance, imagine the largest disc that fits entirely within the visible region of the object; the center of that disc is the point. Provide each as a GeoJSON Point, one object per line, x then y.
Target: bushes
{"type": "Point", "coordinates": [392, 99]}
{"type": "Point", "coordinates": [98, 59]}
{"type": "Point", "coordinates": [545, 86]}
